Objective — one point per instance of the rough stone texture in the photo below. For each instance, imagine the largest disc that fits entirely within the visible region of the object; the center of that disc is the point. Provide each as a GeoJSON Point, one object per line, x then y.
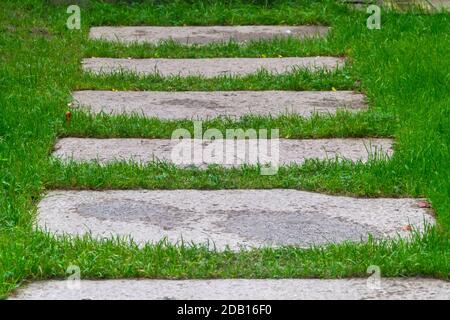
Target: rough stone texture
{"type": "Point", "coordinates": [234, 218]}
{"type": "Point", "coordinates": [241, 289]}
{"type": "Point", "coordinates": [204, 105]}
{"type": "Point", "coordinates": [430, 5]}
{"type": "Point", "coordinates": [203, 34]}
{"type": "Point", "coordinates": [440, 4]}
{"type": "Point", "coordinates": [229, 153]}
{"type": "Point", "coordinates": [210, 67]}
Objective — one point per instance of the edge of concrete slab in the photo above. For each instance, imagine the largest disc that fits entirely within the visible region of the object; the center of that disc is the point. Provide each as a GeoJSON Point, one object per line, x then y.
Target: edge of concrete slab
{"type": "Point", "coordinates": [237, 218]}
{"type": "Point", "coordinates": [224, 152]}
{"type": "Point", "coordinates": [192, 35]}
{"type": "Point", "coordinates": [239, 289]}
{"type": "Point", "coordinates": [210, 67]}
{"type": "Point", "coordinates": [427, 6]}
{"type": "Point", "coordinates": [196, 105]}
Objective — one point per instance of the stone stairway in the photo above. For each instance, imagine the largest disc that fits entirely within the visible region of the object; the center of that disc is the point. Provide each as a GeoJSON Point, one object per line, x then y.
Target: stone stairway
{"type": "Point", "coordinates": [224, 218]}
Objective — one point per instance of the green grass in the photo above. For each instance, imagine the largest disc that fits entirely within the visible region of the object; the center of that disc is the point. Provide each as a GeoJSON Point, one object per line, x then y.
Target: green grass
{"type": "Point", "coordinates": [343, 124]}
{"type": "Point", "coordinates": [404, 69]}
{"type": "Point", "coordinates": [377, 178]}
{"type": "Point", "coordinates": [299, 80]}
{"type": "Point", "coordinates": [168, 49]}
{"type": "Point", "coordinates": [40, 257]}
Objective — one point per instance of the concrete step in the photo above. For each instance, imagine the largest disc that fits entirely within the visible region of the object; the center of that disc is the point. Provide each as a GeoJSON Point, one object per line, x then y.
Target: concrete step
{"type": "Point", "coordinates": [207, 105]}
{"type": "Point", "coordinates": [209, 67]}
{"type": "Point", "coordinates": [203, 34]}
{"type": "Point", "coordinates": [234, 218]}
{"type": "Point", "coordinates": [225, 152]}
{"type": "Point", "coordinates": [432, 6]}
{"type": "Point", "coordinates": [239, 289]}
{"type": "Point", "coordinates": [439, 5]}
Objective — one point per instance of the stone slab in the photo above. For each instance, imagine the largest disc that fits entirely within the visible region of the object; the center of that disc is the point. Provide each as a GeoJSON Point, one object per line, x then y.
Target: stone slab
{"type": "Point", "coordinates": [225, 152]}
{"type": "Point", "coordinates": [240, 289]}
{"type": "Point", "coordinates": [209, 67]}
{"type": "Point", "coordinates": [431, 6]}
{"type": "Point", "coordinates": [440, 4]}
{"type": "Point", "coordinates": [203, 34]}
{"type": "Point", "coordinates": [206, 105]}
{"type": "Point", "coordinates": [234, 218]}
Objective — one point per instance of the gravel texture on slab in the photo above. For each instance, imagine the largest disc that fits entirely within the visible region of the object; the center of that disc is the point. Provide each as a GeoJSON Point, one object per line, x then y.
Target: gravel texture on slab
{"type": "Point", "coordinates": [209, 67]}
{"type": "Point", "coordinates": [203, 34]}
{"type": "Point", "coordinates": [226, 152]}
{"type": "Point", "coordinates": [240, 289]}
{"type": "Point", "coordinates": [234, 218]}
{"type": "Point", "coordinates": [206, 105]}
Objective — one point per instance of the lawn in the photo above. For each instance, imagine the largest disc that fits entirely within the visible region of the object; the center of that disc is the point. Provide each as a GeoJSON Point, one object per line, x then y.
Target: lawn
{"type": "Point", "coordinates": [403, 68]}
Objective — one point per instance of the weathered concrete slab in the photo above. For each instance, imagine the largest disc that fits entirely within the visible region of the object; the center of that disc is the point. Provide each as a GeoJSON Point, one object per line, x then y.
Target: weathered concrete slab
{"type": "Point", "coordinates": [240, 289]}
{"type": "Point", "coordinates": [203, 34]}
{"type": "Point", "coordinates": [226, 152]}
{"type": "Point", "coordinates": [210, 67]}
{"type": "Point", "coordinates": [440, 4]}
{"type": "Point", "coordinates": [205, 105]}
{"type": "Point", "coordinates": [234, 218]}
{"type": "Point", "coordinates": [431, 6]}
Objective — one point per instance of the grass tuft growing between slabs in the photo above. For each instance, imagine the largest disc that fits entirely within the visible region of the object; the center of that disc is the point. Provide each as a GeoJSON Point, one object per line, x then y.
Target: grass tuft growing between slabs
{"type": "Point", "coordinates": [263, 80]}
{"type": "Point", "coordinates": [46, 256]}
{"type": "Point", "coordinates": [343, 124]}
{"type": "Point", "coordinates": [403, 69]}
{"type": "Point", "coordinates": [377, 178]}
{"type": "Point", "coordinates": [276, 48]}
